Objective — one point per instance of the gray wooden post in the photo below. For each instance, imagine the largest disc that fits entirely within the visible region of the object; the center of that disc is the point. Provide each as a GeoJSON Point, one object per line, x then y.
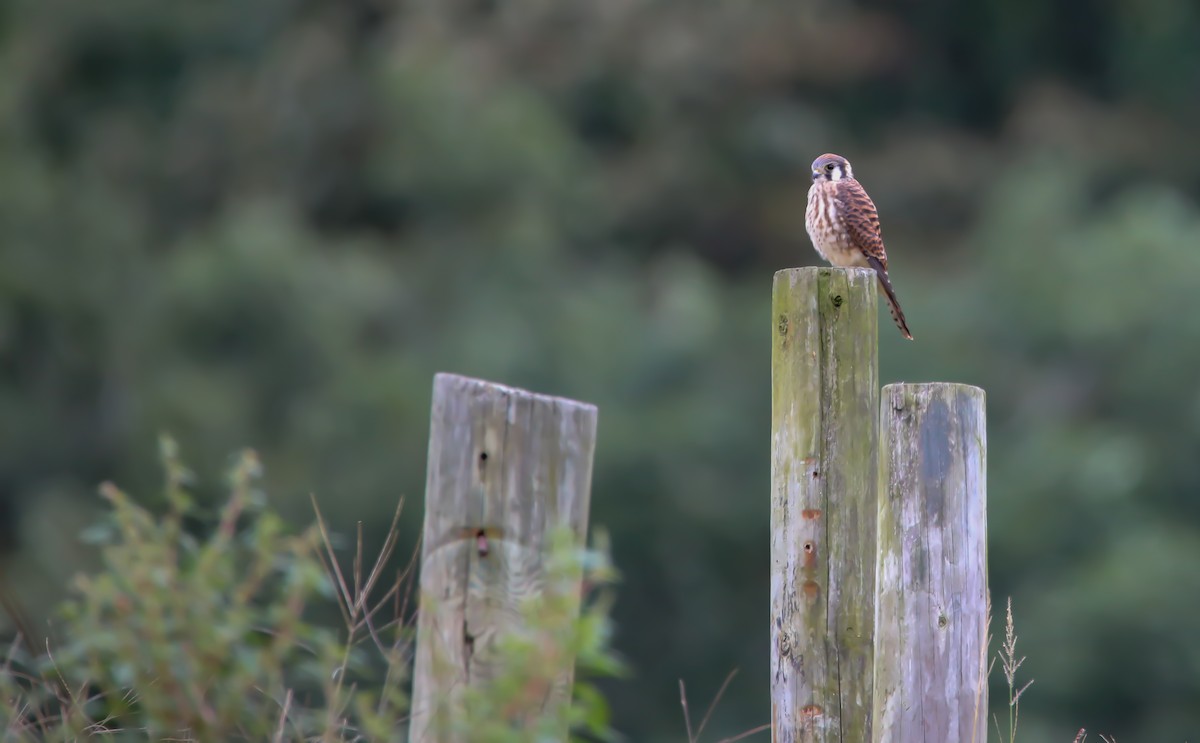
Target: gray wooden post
{"type": "Point", "coordinates": [824, 426]}
{"type": "Point", "coordinates": [931, 621]}
{"type": "Point", "coordinates": [505, 468]}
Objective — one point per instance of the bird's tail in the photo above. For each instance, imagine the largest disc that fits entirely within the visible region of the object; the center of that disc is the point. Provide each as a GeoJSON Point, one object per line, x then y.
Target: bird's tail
{"type": "Point", "coordinates": [893, 303]}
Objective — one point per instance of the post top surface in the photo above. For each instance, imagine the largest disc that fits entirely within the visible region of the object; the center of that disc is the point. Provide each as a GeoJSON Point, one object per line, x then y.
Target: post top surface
{"type": "Point", "coordinates": [932, 388]}
{"type": "Point", "coordinates": [818, 270]}
{"type": "Point", "coordinates": [447, 380]}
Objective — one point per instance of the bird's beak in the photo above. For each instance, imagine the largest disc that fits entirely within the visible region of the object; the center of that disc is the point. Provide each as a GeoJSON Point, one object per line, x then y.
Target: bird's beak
{"type": "Point", "coordinates": [816, 174]}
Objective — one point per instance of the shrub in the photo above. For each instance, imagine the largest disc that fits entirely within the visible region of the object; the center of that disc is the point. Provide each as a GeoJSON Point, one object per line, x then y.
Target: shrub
{"type": "Point", "coordinates": [214, 629]}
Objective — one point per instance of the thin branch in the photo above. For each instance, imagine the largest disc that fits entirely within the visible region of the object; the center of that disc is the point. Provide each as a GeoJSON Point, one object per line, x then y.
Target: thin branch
{"type": "Point", "coordinates": [283, 716]}
{"type": "Point", "coordinates": [713, 704]}
{"type": "Point", "coordinates": [335, 568]}
{"type": "Point", "coordinates": [747, 734]}
{"type": "Point", "coordinates": [687, 718]}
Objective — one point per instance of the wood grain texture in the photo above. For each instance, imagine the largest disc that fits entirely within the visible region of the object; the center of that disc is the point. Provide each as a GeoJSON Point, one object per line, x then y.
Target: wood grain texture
{"type": "Point", "coordinates": [931, 622]}
{"type": "Point", "coordinates": [824, 426]}
{"type": "Point", "coordinates": [505, 468]}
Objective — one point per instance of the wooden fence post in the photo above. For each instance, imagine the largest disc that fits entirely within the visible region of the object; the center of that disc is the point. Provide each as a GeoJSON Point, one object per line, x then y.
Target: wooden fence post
{"type": "Point", "coordinates": [506, 467]}
{"type": "Point", "coordinates": [931, 625]}
{"type": "Point", "coordinates": [824, 425]}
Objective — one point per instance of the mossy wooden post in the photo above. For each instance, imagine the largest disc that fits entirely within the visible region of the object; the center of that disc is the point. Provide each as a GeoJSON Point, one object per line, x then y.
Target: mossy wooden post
{"type": "Point", "coordinates": [931, 624]}
{"type": "Point", "coordinates": [506, 467]}
{"type": "Point", "coordinates": [824, 425]}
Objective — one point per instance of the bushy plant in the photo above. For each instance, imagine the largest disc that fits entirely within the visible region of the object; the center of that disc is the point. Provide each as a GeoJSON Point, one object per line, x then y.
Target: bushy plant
{"type": "Point", "coordinates": [212, 629]}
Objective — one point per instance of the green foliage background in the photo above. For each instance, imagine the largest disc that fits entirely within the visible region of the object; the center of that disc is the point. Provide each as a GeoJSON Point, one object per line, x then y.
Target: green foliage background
{"type": "Point", "coordinates": [270, 223]}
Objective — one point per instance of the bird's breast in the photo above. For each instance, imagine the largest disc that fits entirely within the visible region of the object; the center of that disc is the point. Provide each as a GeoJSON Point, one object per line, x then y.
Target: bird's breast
{"type": "Point", "coordinates": [826, 227]}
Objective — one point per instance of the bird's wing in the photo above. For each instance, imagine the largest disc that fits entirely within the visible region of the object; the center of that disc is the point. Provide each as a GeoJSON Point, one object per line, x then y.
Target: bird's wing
{"type": "Point", "coordinates": [862, 221]}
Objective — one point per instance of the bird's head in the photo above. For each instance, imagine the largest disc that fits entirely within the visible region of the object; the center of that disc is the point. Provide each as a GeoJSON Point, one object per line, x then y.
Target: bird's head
{"type": "Point", "coordinates": [830, 167]}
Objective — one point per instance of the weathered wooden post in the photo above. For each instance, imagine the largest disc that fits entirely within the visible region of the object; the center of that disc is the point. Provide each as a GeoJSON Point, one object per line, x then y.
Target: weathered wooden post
{"type": "Point", "coordinates": [931, 620]}
{"type": "Point", "coordinates": [824, 425]}
{"type": "Point", "coordinates": [506, 467]}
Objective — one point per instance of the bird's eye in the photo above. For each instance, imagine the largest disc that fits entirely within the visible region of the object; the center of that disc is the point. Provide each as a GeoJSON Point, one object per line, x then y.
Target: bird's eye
{"type": "Point", "coordinates": [829, 167]}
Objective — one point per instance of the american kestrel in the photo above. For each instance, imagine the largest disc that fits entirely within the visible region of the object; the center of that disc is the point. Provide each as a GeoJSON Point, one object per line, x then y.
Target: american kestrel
{"type": "Point", "coordinates": [844, 225]}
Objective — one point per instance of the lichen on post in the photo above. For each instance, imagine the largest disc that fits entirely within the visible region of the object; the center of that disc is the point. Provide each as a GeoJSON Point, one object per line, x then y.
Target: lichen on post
{"type": "Point", "coordinates": [824, 426]}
